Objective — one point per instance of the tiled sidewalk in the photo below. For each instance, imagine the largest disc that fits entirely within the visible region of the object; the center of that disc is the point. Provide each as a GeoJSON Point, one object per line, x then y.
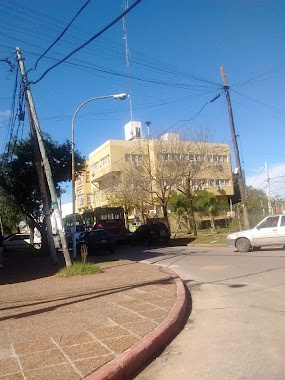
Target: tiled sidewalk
{"type": "Point", "coordinates": [65, 328]}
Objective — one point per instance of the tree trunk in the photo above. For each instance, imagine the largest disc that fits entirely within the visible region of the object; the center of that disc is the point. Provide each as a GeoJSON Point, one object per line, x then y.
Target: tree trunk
{"type": "Point", "coordinates": [165, 215]}
{"type": "Point", "coordinates": [212, 221]}
{"type": "Point", "coordinates": [191, 216]}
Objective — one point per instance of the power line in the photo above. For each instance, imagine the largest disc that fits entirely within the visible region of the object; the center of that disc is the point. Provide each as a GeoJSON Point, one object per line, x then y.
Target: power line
{"type": "Point", "coordinates": [258, 76]}
{"type": "Point", "coordinates": [48, 29]}
{"type": "Point", "coordinates": [257, 177]}
{"type": "Point", "coordinates": [88, 41]}
{"type": "Point", "coordinates": [258, 101]}
{"type": "Point", "coordinates": [61, 34]}
{"type": "Point", "coordinates": [151, 81]}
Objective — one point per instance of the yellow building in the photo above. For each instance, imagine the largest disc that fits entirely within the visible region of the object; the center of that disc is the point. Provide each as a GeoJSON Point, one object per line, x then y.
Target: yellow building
{"type": "Point", "coordinates": [168, 162]}
{"type": "Point", "coordinates": [82, 191]}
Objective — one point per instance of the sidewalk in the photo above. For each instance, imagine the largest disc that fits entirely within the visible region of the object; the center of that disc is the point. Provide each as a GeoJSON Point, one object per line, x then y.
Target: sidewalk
{"type": "Point", "coordinates": [103, 326]}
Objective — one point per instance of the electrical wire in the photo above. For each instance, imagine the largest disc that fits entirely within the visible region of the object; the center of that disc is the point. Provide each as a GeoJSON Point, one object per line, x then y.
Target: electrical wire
{"type": "Point", "coordinates": [88, 41]}
{"type": "Point", "coordinates": [12, 118]}
{"type": "Point", "coordinates": [259, 76]}
{"type": "Point", "coordinates": [100, 69]}
{"type": "Point", "coordinates": [257, 177]}
{"type": "Point", "coordinates": [258, 101]}
{"type": "Point", "coordinates": [46, 29]}
{"type": "Point", "coordinates": [61, 34]}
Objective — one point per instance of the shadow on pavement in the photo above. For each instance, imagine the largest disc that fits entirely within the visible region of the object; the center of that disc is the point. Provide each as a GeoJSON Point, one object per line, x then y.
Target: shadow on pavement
{"type": "Point", "coordinates": [28, 266]}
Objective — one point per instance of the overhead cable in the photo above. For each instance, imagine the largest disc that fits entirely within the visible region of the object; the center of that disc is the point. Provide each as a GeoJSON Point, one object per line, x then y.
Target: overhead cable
{"type": "Point", "coordinates": [61, 34]}
{"type": "Point", "coordinates": [88, 42]}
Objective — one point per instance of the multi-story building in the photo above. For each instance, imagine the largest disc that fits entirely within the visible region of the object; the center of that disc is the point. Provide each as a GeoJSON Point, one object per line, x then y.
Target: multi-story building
{"type": "Point", "coordinates": [164, 164]}
{"type": "Point", "coordinates": [83, 199]}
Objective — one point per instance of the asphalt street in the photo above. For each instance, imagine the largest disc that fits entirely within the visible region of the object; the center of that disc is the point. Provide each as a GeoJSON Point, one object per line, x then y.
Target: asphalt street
{"type": "Point", "coordinates": [236, 329]}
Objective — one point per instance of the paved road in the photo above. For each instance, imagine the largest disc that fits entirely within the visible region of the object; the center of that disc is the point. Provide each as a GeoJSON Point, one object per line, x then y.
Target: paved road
{"type": "Point", "coordinates": [237, 326]}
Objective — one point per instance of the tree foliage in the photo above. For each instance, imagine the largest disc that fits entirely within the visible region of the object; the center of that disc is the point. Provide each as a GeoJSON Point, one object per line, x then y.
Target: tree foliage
{"type": "Point", "coordinates": [19, 181]}
{"type": "Point", "coordinates": [10, 215]}
{"type": "Point", "coordinates": [206, 203]}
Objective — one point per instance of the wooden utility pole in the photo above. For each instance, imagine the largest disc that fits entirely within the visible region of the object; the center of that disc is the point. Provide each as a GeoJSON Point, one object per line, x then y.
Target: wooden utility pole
{"type": "Point", "coordinates": [236, 151]}
{"type": "Point", "coordinates": [46, 164]}
{"type": "Point", "coordinates": [43, 189]}
{"type": "Point", "coordinates": [270, 211]}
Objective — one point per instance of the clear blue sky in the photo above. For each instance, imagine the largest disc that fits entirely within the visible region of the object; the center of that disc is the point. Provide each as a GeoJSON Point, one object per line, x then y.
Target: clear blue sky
{"type": "Point", "coordinates": [176, 50]}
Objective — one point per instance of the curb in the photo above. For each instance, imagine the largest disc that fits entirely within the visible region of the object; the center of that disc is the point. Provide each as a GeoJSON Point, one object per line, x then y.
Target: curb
{"type": "Point", "coordinates": [127, 363]}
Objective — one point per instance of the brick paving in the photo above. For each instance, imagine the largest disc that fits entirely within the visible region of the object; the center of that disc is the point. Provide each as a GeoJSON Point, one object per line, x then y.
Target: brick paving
{"type": "Point", "coordinates": [53, 328]}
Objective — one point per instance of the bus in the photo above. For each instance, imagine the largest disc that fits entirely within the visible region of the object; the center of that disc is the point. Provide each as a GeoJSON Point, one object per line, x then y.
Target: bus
{"type": "Point", "coordinates": [112, 219]}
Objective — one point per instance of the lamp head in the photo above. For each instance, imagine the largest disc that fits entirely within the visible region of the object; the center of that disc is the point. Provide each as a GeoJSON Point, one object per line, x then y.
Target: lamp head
{"type": "Point", "coordinates": [120, 96]}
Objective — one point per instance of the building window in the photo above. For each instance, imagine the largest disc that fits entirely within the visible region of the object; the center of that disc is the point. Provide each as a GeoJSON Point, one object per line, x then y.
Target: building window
{"type": "Point", "coordinates": [218, 158]}
{"type": "Point", "coordinates": [134, 159]}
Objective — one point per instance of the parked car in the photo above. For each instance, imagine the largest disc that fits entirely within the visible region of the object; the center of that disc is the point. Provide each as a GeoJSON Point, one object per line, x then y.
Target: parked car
{"type": "Point", "coordinates": [96, 240]}
{"type": "Point", "coordinates": [150, 233]}
{"type": "Point", "coordinates": [270, 231]}
{"type": "Point", "coordinates": [20, 242]}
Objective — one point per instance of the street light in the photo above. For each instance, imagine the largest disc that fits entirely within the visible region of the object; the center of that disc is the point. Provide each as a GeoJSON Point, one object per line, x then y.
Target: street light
{"type": "Point", "coordinates": [117, 96]}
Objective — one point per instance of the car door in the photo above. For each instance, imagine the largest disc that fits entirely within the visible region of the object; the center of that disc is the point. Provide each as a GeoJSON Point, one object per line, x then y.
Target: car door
{"type": "Point", "coordinates": [266, 232]}
{"type": "Point", "coordinates": [281, 230]}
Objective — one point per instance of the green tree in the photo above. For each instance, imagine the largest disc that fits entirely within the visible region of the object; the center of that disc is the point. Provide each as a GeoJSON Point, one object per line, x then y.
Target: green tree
{"type": "Point", "coordinates": [178, 203]}
{"type": "Point", "coordinates": [19, 181]}
{"type": "Point", "coordinates": [257, 204]}
{"type": "Point", "coordinates": [207, 204]}
{"type": "Point", "coordinates": [10, 216]}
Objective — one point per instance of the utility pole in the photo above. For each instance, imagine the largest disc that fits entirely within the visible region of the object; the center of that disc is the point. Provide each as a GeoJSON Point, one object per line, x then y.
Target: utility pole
{"type": "Point", "coordinates": [46, 164]}
{"type": "Point", "coordinates": [43, 189]}
{"type": "Point", "coordinates": [148, 123]}
{"type": "Point", "coordinates": [236, 151]}
{"type": "Point", "coordinates": [268, 190]}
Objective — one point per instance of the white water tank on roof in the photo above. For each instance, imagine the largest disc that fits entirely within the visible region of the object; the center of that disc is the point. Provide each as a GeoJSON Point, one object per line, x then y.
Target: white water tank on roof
{"type": "Point", "coordinates": [133, 130]}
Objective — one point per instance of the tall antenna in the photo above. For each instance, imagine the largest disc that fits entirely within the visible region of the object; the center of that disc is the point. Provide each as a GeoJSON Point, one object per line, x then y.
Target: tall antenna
{"type": "Point", "coordinates": [125, 6]}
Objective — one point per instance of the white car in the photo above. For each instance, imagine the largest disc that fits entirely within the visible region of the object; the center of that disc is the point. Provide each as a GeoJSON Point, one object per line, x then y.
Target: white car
{"type": "Point", "coordinates": [270, 231]}
{"type": "Point", "coordinates": [20, 242]}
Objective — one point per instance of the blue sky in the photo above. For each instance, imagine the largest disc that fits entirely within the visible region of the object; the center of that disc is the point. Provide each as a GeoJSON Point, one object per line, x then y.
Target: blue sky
{"type": "Point", "coordinates": [176, 50]}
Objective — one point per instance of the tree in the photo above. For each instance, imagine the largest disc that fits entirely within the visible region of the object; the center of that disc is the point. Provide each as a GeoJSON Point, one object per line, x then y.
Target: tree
{"type": "Point", "coordinates": [207, 204]}
{"type": "Point", "coordinates": [19, 180]}
{"type": "Point", "coordinates": [178, 204]}
{"type": "Point", "coordinates": [10, 216]}
{"type": "Point", "coordinates": [154, 175]}
{"type": "Point", "coordinates": [197, 166]}
{"type": "Point", "coordinates": [122, 193]}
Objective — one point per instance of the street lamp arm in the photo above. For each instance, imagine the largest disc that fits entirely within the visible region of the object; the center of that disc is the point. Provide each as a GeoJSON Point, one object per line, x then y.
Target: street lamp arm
{"type": "Point", "coordinates": [117, 96]}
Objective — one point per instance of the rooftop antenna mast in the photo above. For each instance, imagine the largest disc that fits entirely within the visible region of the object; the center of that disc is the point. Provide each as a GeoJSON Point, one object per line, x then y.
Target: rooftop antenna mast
{"type": "Point", "coordinates": [125, 6]}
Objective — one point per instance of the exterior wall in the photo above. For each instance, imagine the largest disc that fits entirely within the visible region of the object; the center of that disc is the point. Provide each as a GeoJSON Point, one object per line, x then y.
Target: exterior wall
{"type": "Point", "coordinates": [107, 160]}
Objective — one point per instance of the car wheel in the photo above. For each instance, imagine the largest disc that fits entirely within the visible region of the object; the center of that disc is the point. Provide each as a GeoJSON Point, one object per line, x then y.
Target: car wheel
{"type": "Point", "coordinates": [243, 245]}
{"type": "Point", "coordinates": [37, 246]}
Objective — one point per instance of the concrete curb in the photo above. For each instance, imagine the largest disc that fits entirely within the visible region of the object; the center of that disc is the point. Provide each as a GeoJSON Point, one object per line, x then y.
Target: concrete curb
{"type": "Point", "coordinates": [127, 363]}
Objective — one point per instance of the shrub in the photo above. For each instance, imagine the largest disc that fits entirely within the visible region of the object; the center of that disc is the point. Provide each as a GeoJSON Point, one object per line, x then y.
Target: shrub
{"type": "Point", "coordinates": [80, 269]}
